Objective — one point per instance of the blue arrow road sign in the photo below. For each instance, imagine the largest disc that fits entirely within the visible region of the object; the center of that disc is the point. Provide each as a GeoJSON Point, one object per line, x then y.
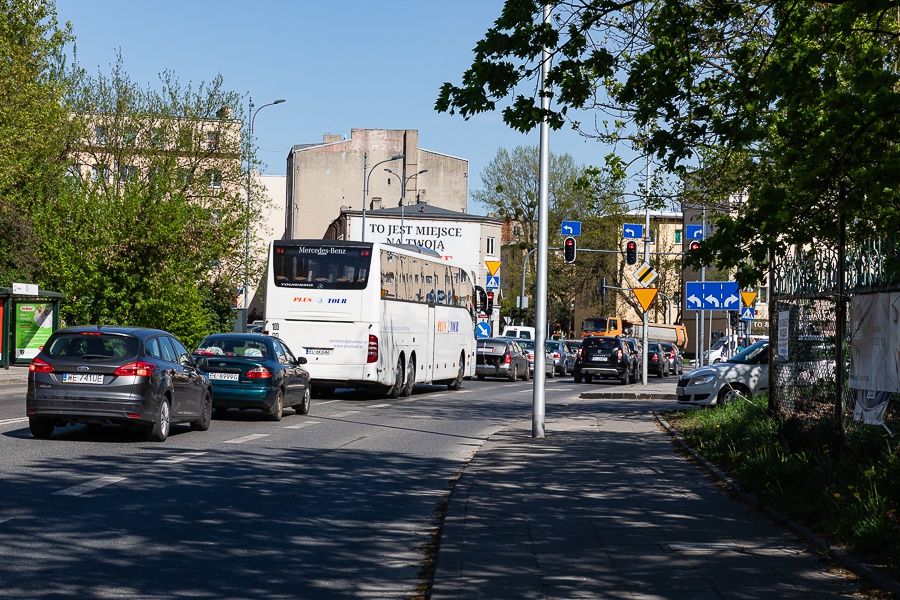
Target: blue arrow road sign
{"type": "Point", "coordinates": [483, 329]}
{"type": "Point", "coordinates": [694, 232]}
{"type": "Point", "coordinates": [747, 313]}
{"type": "Point", "coordinates": [630, 230]}
{"type": "Point", "coordinates": [572, 228]}
{"type": "Point", "coordinates": [712, 295]}
{"type": "Point", "coordinates": [492, 283]}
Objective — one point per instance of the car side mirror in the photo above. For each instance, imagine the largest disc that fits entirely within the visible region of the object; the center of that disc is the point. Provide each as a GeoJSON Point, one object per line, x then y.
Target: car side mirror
{"type": "Point", "coordinates": [301, 360]}
{"type": "Point", "coordinates": [186, 361]}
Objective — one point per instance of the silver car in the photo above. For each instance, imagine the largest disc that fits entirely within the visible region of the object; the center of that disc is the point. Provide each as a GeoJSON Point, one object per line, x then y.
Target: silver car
{"type": "Point", "coordinates": [549, 365]}
{"type": "Point", "coordinates": [744, 374]}
{"type": "Point", "coordinates": [563, 356]}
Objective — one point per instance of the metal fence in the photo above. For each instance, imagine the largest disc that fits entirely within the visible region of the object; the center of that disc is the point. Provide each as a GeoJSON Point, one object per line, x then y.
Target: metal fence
{"type": "Point", "coordinates": [811, 388]}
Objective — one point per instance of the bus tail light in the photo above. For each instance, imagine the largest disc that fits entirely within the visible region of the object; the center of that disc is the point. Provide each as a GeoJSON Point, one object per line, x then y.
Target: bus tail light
{"type": "Point", "coordinates": [372, 356]}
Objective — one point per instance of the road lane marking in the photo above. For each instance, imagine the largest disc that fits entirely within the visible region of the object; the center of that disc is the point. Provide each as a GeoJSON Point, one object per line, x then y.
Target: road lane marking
{"type": "Point", "coordinates": [327, 402]}
{"type": "Point", "coordinates": [11, 421]}
{"type": "Point", "coordinates": [246, 438]}
{"type": "Point", "coordinates": [379, 405]}
{"type": "Point", "coordinates": [302, 425]}
{"type": "Point", "coordinates": [5, 519]}
{"type": "Point", "coordinates": [180, 458]}
{"type": "Point", "coordinates": [88, 486]}
{"type": "Point", "coordinates": [346, 413]}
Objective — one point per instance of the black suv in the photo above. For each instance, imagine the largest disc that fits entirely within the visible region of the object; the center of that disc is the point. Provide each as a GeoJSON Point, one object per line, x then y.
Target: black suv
{"type": "Point", "coordinates": [605, 357]}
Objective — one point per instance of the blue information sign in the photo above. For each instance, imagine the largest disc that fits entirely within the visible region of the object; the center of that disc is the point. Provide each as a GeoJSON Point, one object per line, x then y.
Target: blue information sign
{"type": "Point", "coordinates": [492, 282]}
{"type": "Point", "coordinates": [712, 295]}
{"type": "Point", "coordinates": [631, 230]}
{"type": "Point", "coordinates": [571, 228]}
{"type": "Point", "coordinates": [694, 232]}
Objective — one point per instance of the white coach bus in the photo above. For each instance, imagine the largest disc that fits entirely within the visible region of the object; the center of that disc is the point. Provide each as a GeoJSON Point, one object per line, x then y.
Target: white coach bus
{"type": "Point", "coordinates": [372, 315]}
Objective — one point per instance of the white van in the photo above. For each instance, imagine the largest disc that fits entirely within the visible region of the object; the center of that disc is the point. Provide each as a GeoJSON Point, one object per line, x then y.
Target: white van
{"type": "Point", "coordinates": [519, 331]}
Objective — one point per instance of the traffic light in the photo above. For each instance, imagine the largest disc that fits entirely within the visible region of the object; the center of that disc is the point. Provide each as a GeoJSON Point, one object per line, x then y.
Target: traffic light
{"type": "Point", "coordinates": [603, 287]}
{"type": "Point", "coordinates": [569, 249]}
{"type": "Point", "coordinates": [694, 246]}
{"type": "Point", "coordinates": [631, 252]}
{"type": "Point", "coordinates": [490, 302]}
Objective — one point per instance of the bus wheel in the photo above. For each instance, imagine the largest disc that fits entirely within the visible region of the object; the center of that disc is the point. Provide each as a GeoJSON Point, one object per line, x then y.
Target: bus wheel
{"type": "Point", "coordinates": [457, 383]}
{"type": "Point", "coordinates": [393, 392]}
{"type": "Point", "coordinates": [410, 378]}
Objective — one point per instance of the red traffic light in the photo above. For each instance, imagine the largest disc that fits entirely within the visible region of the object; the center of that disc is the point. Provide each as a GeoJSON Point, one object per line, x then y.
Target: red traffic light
{"type": "Point", "coordinates": [694, 246]}
{"type": "Point", "coordinates": [569, 249]}
{"type": "Point", "coordinates": [631, 252]}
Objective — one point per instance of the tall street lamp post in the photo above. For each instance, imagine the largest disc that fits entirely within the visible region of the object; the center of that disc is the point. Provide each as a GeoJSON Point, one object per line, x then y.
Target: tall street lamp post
{"type": "Point", "coordinates": [403, 182]}
{"type": "Point", "coordinates": [366, 184]}
{"type": "Point", "coordinates": [252, 115]}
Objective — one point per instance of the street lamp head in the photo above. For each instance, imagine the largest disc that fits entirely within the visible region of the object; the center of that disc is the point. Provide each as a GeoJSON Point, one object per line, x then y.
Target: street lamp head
{"type": "Point", "coordinates": [398, 156]}
{"type": "Point", "coordinates": [279, 101]}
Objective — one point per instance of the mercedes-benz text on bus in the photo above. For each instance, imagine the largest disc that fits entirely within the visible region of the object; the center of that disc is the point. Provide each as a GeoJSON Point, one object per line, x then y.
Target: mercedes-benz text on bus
{"type": "Point", "coordinates": [372, 315]}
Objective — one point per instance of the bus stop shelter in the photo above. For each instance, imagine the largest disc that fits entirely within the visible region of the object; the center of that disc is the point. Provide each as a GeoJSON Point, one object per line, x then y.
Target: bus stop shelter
{"type": "Point", "coordinates": [28, 316]}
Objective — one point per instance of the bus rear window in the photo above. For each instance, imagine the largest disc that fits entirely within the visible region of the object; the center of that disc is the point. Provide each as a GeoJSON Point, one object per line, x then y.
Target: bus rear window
{"type": "Point", "coordinates": [321, 267]}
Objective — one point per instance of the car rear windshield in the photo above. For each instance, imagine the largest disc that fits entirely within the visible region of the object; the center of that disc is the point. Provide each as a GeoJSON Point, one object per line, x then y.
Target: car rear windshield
{"type": "Point", "coordinates": [601, 343]}
{"type": "Point", "coordinates": [232, 347]}
{"type": "Point", "coordinates": [91, 345]}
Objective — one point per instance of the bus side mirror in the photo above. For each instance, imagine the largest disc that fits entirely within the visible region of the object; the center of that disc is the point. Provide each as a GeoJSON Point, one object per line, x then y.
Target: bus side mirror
{"type": "Point", "coordinates": [480, 300]}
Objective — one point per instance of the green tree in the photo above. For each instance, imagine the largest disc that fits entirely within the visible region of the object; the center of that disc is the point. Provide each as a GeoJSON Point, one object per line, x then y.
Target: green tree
{"type": "Point", "coordinates": [793, 104]}
{"type": "Point", "coordinates": [156, 187]}
{"type": "Point", "coordinates": [34, 126]}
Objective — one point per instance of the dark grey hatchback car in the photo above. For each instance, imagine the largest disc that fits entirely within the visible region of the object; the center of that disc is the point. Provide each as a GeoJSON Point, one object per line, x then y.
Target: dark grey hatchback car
{"type": "Point", "coordinates": [141, 378]}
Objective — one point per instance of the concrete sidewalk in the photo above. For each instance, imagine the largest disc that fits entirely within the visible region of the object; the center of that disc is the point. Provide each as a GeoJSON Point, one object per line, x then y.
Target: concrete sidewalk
{"type": "Point", "coordinates": [14, 375]}
{"type": "Point", "coordinates": [604, 507]}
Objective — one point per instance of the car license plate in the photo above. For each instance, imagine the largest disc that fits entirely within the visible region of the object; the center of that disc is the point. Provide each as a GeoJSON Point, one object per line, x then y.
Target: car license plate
{"type": "Point", "coordinates": [81, 378]}
{"type": "Point", "coordinates": [319, 351]}
{"type": "Point", "coordinates": [599, 357]}
{"type": "Point", "coordinates": [679, 392]}
{"type": "Point", "coordinates": [223, 376]}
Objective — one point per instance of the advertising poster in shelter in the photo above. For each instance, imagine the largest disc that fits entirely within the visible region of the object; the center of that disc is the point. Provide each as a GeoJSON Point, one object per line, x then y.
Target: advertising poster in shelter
{"type": "Point", "coordinates": [874, 352]}
{"type": "Point", "coordinates": [34, 324]}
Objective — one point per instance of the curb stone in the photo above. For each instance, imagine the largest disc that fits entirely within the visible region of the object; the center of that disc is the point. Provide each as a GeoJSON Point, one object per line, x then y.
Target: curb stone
{"type": "Point", "coordinates": [842, 557]}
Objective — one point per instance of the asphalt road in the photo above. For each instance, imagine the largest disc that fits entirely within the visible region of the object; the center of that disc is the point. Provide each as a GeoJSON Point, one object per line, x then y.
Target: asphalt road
{"type": "Point", "coordinates": [335, 504]}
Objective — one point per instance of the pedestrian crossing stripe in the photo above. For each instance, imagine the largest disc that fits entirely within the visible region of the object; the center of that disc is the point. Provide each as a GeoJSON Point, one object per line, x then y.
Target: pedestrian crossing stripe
{"type": "Point", "coordinates": [645, 274]}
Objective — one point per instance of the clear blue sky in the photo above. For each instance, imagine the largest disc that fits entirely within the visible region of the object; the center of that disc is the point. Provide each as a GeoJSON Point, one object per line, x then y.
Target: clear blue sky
{"type": "Point", "coordinates": [340, 64]}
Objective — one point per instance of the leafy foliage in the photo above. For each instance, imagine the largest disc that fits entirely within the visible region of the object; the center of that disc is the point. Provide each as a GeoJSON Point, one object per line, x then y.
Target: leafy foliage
{"type": "Point", "coordinates": [792, 108]}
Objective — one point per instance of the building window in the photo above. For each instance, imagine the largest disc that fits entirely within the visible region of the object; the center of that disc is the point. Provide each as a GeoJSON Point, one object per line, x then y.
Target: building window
{"type": "Point", "coordinates": [678, 238]}
{"type": "Point", "coordinates": [214, 179]}
{"type": "Point", "coordinates": [74, 171]}
{"type": "Point", "coordinates": [128, 172]}
{"type": "Point", "coordinates": [157, 137]}
{"type": "Point", "coordinates": [130, 137]}
{"type": "Point", "coordinates": [184, 176]}
{"type": "Point", "coordinates": [99, 173]}
{"type": "Point", "coordinates": [101, 135]}
{"type": "Point", "coordinates": [490, 247]}
{"type": "Point", "coordinates": [212, 141]}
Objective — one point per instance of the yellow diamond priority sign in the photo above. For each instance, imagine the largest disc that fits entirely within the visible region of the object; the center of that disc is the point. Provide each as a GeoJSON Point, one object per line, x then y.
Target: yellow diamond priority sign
{"type": "Point", "coordinates": [645, 296]}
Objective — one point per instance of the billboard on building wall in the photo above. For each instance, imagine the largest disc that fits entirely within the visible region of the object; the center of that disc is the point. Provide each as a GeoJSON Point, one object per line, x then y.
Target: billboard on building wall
{"type": "Point", "coordinates": [34, 324]}
{"type": "Point", "coordinates": [454, 240]}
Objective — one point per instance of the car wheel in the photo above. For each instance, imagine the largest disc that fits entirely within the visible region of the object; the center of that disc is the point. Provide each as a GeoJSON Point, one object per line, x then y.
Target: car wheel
{"type": "Point", "coordinates": [277, 410]}
{"type": "Point", "coordinates": [729, 393]}
{"type": "Point", "coordinates": [625, 378]}
{"type": "Point", "coordinates": [480, 377]}
{"type": "Point", "coordinates": [514, 372]}
{"type": "Point", "coordinates": [41, 429]}
{"type": "Point", "coordinates": [577, 377]}
{"type": "Point", "coordinates": [527, 376]}
{"type": "Point", "coordinates": [553, 372]}
{"type": "Point", "coordinates": [303, 407]}
{"type": "Point", "coordinates": [588, 378]}
{"type": "Point", "coordinates": [202, 424]}
{"type": "Point", "coordinates": [457, 383]}
{"type": "Point", "coordinates": [393, 392]}
{"type": "Point", "coordinates": [406, 392]}
{"type": "Point", "coordinates": [159, 431]}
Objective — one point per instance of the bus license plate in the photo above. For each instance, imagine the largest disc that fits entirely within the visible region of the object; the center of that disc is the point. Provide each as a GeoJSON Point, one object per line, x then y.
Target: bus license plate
{"type": "Point", "coordinates": [319, 351]}
{"type": "Point", "coordinates": [223, 376]}
{"type": "Point", "coordinates": [81, 378]}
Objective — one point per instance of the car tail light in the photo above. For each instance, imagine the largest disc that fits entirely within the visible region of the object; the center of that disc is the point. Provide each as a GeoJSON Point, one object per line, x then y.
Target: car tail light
{"type": "Point", "coordinates": [654, 358]}
{"type": "Point", "coordinates": [372, 356]}
{"type": "Point", "coordinates": [258, 373]}
{"type": "Point", "coordinates": [507, 359]}
{"type": "Point", "coordinates": [619, 352]}
{"type": "Point", "coordinates": [39, 366]}
{"type": "Point", "coordinates": [135, 369]}
{"type": "Point", "coordinates": [556, 355]}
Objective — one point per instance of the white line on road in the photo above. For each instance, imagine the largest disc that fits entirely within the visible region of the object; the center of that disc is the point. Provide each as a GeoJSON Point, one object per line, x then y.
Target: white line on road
{"type": "Point", "coordinates": [11, 421]}
{"type": "Point", "coordinates": [89, 486]}
{"type": "Point", "coordinates": [346, 413]}
{"type": "Point", "coordinates": [5, 519]}
{"type": "Point", "coordinates": [180, 458]}
{"type": "Point", "coordinates": [246, 438]}
{"type": "Point", "coordinates": [379, 405]}
{"type": "Point", "coordinates": [302, 425]}
{"type": "Point", "coordinates": [326, 402]}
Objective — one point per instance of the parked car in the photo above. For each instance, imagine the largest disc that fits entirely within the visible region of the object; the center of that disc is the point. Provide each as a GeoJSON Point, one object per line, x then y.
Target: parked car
{"type": "Point", "coordinates": [676, 359]}
{"type": "Point", "coordinates": [657, 360]}
{"type": "Point", "coordinates": [498, 357]}
{"type": "Point", "coordinates": [255, 371]}
{"type": "Point", "coordinates": [746, 373]}
{"type": "Point", "coordinates": [563, 356]}
{"type": "Point", "coordinates": [637, 355]}
{"type": "Point", "coordinates": [549, 365]}
{"type": "Point", "coordinates": [604, 357]}
{"type": "Point", "coordinates": [141, 378]}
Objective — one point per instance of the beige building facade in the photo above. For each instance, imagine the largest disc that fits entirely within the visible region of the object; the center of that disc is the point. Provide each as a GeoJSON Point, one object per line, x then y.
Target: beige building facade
{"type": "Point", "coordinates": [350, 173]}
